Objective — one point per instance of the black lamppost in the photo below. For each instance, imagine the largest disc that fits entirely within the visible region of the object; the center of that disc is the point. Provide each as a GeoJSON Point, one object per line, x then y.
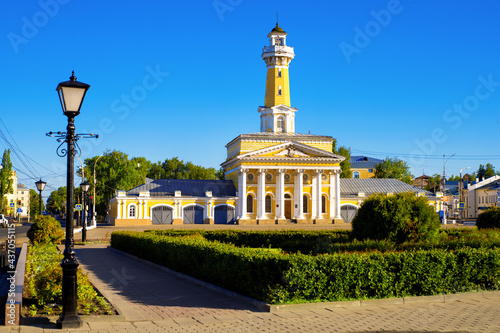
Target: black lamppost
{"type": "Point", "coordinates": [40, 185]}
{"type": "Point", "coordinates": [71, 95]}
{"type": "Point", "coordinates": [85, 187]}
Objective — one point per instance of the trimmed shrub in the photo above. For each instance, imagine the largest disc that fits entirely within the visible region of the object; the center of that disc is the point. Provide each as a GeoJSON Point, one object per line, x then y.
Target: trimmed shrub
{"type": "Point", "coordinates": [278, 278]}
{"type": "Point", "coordinates": [399, 218]}
{"type": "Point", "coordinates": [489, 218]}
{"type": "Point", "coordinates": [44, 230]}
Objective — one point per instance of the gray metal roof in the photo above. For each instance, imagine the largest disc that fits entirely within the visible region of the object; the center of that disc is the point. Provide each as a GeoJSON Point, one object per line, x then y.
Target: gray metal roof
{"type": "Point", "coordinates": [364, 162]}
{"type": "Point", "coordinates": [351, 187]}
{"type": "Point", "coordinates": [188, 187]}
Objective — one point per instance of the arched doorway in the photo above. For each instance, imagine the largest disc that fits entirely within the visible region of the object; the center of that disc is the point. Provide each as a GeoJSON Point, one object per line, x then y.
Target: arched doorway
{"type": "Point", "coordinates": [162, 215]}
{"type": "Point", "coordinates": [288, 206]}
{"type": "Point", "coordinates": [193, 215]}
{"type": "Point", "coordinates": [224, 214]}
{"type": "Point", "coordinates": [348, 212]}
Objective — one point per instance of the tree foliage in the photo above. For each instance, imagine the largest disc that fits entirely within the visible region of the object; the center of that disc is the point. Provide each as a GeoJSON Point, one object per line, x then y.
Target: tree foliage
{"type": "Point", "coordinates": [485, 171]}
{"type": "Point", "coordinates": [5, 180]}
{"type": "Point", "coordinates": [433, 183]}
{"type": "Point", "coordinates": [394, 168]}
{"type": "Point", "coordinates": [35, 204]}
{"type": "Point", "coordinates": [57, 200]}
{"type": "Point", "coordinates": [176, 169]}
{"type": "Point", "coordinates": [345, 165]}
{"type": "Point", "coordinates": [399, 218]}
{"type": "Point", "coordinates": [44, 230]}
{"type": "Point", "coordinates": [489, 218]}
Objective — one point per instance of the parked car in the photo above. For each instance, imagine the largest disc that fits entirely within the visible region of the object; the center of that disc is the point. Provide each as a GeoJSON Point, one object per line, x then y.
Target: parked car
{"type": "Point", "coordinates": [3, 221]}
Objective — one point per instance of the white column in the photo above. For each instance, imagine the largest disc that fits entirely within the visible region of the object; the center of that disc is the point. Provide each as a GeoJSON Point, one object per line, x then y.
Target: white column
{"type": "Point", "coordinates": [314, 196]}
{"type": "Point", "coordinates": [118, 209]}
{"type": "Point", "coordinates": [299, 193]}
{"type": "Point", "coordinates": [333, 194]}
{"type": "Point", "coordinates": [176, 209]}
{"type": "Point", "coordinates": [281, 194]}
{"type": "Point", "coordinates": [318, 189]}
{"type": "Point", "coordinates": [145, 209]}
{"type": "Point", "coordinates": [124, 211]}
{"type": "Point", "coordinates": [242, 194]}
{"type": "Point", "coordinates": [139, 210]}
{"type": "Point", "coordinates": [261, 191]}
{"type": "Point", "coordinates": [337, 196]}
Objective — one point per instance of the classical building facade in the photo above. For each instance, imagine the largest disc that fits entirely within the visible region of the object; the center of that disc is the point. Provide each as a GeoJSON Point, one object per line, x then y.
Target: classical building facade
{"type": "Point", "coordinates": [281, 175]}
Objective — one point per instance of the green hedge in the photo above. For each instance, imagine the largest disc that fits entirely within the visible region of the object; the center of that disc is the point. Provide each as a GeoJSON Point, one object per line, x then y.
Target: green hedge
{"type": "Point", "coordinates": [322, 242]}
{"type": "Point", "coordinates": [276, 277]}
{"type": "Point", "coordinates": [489, 218]}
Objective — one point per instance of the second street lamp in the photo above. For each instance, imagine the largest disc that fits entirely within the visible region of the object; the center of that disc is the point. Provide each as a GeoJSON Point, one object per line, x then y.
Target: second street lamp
{"type": "Point", "coordinates": [40, 185]}
{"type": "Point", "coordinates": [85, 187]}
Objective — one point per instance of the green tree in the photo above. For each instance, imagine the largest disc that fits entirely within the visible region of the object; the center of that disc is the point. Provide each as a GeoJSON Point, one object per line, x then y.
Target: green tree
{"type": "Point", "coordinates": [485, 172]}
{"type": "Point", "coordinates": [433, 183]}
{"type": "Point", "coordinates": [114, 171]}
{"type": "Point", "coordinates": [35, 204]}
{"type": "Point", "coordinates": [5, 180]}
{"type": "Point", "coordinates": [176, 169]}
{"type": "Point", "coordinates": [453, 178]}
{"type": "Point", "coordinates": [345, 165]}
{"type": "Point", "coordinates": [394, 168]}
{"type": "Point", "coordinates": [399, 218]}
{"type": "Point", "coordinates": [56, 202]}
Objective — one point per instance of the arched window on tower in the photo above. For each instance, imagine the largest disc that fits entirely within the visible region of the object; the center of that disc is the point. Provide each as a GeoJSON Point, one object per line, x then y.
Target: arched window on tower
{"type": "Point", "coordinates": [280, 124]}
{"type": "Point", "coordinates": [279, 90]}
{"type": "Point", "coordinates": [279, 72]}
{"type": "Point", "coordinates": [269, 204]}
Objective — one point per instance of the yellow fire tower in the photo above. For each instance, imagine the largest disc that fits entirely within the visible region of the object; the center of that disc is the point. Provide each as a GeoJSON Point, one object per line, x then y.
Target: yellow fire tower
{"type": "Point", "coordinates": [282, 176]}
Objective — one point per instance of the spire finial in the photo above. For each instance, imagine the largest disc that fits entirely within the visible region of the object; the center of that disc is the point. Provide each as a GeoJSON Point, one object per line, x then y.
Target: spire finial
{"type": "Point", "coordinates": [277, 18]}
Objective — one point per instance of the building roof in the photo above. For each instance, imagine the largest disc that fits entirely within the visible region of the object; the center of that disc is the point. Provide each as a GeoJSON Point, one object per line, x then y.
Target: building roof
{"type": "Point", "coordinates": [491, 186]}
{"type": "Point", "coordinates": [281, 136]}
{"type": "Point", "coordinates": [364, 162]}
{"type": "Point", "coordinates": [350, 187]}
{"type": "Point", "coordinates": [188, 187]}
{"type": "Point", "coordinates": [277, 29]}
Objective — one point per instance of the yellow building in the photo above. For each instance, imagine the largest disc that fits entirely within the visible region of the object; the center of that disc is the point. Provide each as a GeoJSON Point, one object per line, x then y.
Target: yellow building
{"type": "Point", "coordinates": [363, 166]}
{"type": "Point", "coordinates": [281, 175]}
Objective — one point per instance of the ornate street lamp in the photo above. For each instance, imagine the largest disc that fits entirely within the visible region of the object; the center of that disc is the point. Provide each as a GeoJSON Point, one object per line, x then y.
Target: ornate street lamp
{"type": "Point", "coordinates": [85, 187]}
{"type": "Point", "coordinates": [40, 185]}
{"type": "Point", "coordinates": [71, 94]}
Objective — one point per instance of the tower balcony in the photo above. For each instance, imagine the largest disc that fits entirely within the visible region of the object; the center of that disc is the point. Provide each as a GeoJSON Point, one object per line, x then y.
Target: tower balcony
{"type": "Point", "coordinates": [269, 51]}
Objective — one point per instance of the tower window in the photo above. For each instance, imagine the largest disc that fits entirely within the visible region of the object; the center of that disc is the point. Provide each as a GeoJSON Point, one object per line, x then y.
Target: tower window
{"type": "Point", "coordinates": [280, 124]}
{"type": "Point", "coordinates": [279, 90]}
{"type": "Point", "coordinates": [279, 72]}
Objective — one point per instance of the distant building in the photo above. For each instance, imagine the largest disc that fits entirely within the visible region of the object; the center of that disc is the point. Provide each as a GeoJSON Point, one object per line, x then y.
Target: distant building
{"type": "Point", "coordinates": [363, 166]}
{"type": "Point", "coordinates": [421, 182]}
{"type": "Point", "coordinates": [175, 201]}
{"type": "Point", "coordinates": [483, 195]}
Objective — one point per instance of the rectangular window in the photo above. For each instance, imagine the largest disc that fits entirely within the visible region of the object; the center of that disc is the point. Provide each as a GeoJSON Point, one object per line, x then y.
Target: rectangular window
{"type": "Point", "coordinates": [279, 72]}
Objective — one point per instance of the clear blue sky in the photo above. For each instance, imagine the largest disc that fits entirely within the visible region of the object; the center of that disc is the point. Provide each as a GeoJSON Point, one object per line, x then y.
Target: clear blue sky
{"type": "Point", "coordinates": [412, 79]}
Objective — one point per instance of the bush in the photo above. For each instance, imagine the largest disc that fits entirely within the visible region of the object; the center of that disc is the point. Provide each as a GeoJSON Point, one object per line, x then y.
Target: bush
{"type": "Point", "coordinates": [278, 278]}
{"type": "Point", "coordinates": [44, 230]}
{"type": "Point", "coordinates": [399, 218]}
{"type": "Point", "coordinates": [489, 218]}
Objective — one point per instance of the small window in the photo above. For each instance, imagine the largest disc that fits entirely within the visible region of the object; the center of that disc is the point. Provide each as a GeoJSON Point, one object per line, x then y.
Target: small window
{"type": "Point", "coordinates": [279, 90]}
{"type": "Point", "coordinates": [370, 170]}
{"type": "Point", "coordinates": [269, 208]}
{"type": "Point", "coordinates": [249, 204]}
{"type": "Point", "coordinates": [355, 174]}
{"type": "Point", "coordinates": [131, 211]}
{"type": "Point", "coordinates": [323, 204]}
{"type": "Point", "coordinates": [279, 72]}
{"type": "Point", "coordinates": [304, 204]}
{"type": "Point", "coordinates": [280, 125]}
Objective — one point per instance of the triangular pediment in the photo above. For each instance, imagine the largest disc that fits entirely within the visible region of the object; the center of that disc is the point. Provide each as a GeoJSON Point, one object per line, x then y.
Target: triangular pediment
{"type": "Point", "coordinates": [290, 150]}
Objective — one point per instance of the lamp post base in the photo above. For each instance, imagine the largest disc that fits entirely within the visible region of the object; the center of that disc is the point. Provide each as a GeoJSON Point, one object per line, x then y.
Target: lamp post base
{"type": "Point", "coordinates": [69, 322]}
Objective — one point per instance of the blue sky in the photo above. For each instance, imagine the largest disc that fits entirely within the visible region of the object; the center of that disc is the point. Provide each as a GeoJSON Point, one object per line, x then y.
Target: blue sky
{"type": "Point", "coordinates": [408, 79]}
